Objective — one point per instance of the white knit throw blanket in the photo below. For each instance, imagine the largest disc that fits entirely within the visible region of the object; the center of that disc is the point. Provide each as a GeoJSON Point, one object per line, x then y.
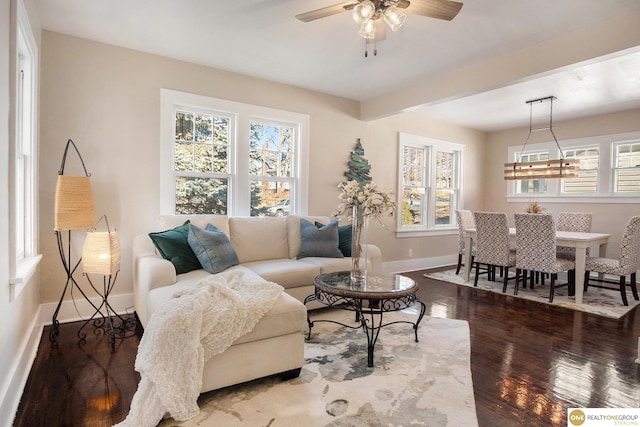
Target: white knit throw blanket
{"type": "Point", "coordinates": [185, 332]}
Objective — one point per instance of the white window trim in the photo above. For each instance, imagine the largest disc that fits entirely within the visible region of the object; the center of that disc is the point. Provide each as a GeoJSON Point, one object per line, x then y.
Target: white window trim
{"type": "Point", "coordinates": [21, 271]}
{"type": "Point", "coordinates": [432, 145]}
{"type": "Point", "coordinates": [554, 194]}
{"type": "Point", "coordinates": [172, 100]}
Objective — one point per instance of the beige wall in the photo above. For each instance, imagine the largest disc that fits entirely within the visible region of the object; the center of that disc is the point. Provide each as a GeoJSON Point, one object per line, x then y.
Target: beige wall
{"type": "Point", "coordinates": [607, 217]}
{"type": "Point", "coordinates": [107, 99]}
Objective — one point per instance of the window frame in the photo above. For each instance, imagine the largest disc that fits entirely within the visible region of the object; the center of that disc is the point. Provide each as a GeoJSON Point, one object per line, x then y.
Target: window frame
{"type": "Point", "coordinates": [605, 181]}
{"type": "Point", "coordinates": [239, 189]}
{"type": "Point", "coordinates": [615, 169]}
{"type": "Point", "coordinates": [428, 226]}
{"type": "Point", "coordinates": [23, 176]}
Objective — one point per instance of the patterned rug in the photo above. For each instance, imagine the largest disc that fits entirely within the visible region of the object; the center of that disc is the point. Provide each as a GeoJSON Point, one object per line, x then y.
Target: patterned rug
{"type": "Point", "coordinates": [426, 383]}
{"type": "Point", "coordinates": [598, 301]}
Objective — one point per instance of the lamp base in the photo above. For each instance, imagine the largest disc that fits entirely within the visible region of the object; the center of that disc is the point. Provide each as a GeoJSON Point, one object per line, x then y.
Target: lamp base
{"type": "Point", "coordinates": [70, 284]}
{"type": "Point", "coordinates": [109, 322]}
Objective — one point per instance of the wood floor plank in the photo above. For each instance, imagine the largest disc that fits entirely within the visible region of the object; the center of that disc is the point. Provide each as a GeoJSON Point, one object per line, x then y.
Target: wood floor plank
{"type": "Point", "coordinates": [530, 362]}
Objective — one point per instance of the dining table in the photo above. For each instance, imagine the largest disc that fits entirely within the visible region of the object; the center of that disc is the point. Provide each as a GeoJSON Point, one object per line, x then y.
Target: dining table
{"type": "Point", "coordinates": [578, 240]}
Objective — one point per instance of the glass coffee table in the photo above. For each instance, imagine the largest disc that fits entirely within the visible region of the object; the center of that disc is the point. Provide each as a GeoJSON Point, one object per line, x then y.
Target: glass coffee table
{"type": "Point", "coordinates": [369, 301]}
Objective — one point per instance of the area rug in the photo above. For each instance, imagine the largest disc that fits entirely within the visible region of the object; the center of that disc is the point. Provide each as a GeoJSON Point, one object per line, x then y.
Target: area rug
{"type": "Point", "coordinates": [602, 302]}
{"type": "Point", "coordinates": [426, 383]}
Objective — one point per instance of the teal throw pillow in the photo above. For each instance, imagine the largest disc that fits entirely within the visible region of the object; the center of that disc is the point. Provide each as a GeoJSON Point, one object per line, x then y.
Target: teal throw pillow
{"type": "Point", "coordinates": [319, 242]}
{"type": "Point", "coordinates": [173, 246]}
{"type": "Point", "coordinates": [213, 248]}
{"type": "Point", "coordinates": [344, 238]}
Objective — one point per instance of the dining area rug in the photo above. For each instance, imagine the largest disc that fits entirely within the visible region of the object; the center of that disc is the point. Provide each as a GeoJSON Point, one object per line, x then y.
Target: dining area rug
{"type": "Point", "coordinates": [603, 302]}
{"type": "Point", "coordinates": [425, 383]}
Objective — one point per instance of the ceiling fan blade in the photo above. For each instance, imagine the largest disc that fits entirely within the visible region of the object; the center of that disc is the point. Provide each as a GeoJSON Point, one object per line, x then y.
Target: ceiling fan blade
{"type": "Point", "coordinates": [326, 11]}
{"type": "Point", "coordinates": [439, 9]}
{"type": "Point", "coordinates": [403, 4]}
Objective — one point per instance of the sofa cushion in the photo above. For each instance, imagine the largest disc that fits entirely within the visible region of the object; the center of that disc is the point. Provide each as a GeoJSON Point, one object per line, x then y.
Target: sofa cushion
{"type": "Point", "coordinates": [344, 238]}
{"type": "Point", "coordinates": [257, 239]}
{"type": "Point", "coordinates": [185, 281]}
{"type": "Point", "coordinates": [212, 247]}
{"type": "Point", "coordinates": [289, 273]}
{"type": "Point", "coordinates": [331, 265]}
{"type": "Point", "coordinates": [293, 231]}
{"type": "Point", "coordinates": [173, 245]}
{"type": "Point", "coordinates": [288, 315]}
{"type": "Point", "coordinates": [319, 242]}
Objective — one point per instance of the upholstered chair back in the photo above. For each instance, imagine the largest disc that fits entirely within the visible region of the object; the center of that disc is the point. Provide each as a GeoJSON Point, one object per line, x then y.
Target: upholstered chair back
{"type": "Point", "coordinates": [630, 246]}
{"type": "Point", "coordinates": [492, 243]}
{"type": "Point", "coordinates": [465, 221]}
{"type": "Point", "coordinates": [535, 241]}
{"type": "Point", "coordinates": [572, 221]}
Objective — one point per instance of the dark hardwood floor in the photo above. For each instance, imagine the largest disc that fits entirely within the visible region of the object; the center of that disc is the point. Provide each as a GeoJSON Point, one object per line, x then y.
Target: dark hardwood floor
{"type": "Point", "coordinates": [530, 362]}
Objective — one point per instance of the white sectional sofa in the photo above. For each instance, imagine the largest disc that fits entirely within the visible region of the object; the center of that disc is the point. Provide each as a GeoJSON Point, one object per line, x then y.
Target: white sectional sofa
{"type": "Point", "coordinates": [267, 247]}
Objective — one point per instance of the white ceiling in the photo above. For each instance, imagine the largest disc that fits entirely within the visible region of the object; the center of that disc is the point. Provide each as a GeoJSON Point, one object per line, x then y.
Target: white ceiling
{"type": "Point", "coordinates": [262, 38]}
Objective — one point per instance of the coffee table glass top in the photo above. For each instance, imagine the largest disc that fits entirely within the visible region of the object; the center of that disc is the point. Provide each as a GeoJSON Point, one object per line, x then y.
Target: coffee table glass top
{"type": "Point", "coordinates": [339, 283]}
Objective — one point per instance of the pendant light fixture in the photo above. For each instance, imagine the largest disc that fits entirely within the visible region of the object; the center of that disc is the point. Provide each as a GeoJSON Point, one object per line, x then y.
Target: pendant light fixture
{"type": "Point", "coordinates": [544, 169]}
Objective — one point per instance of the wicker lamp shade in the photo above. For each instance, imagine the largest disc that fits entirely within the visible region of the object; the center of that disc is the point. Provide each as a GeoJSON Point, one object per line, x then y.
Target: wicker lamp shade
{"type": "Point", "coordinates": [101, 253]}
{"type": "Point", "coordinates": [73, 207]}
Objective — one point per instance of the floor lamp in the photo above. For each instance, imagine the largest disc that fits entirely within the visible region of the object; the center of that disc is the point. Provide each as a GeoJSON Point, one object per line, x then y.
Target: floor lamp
{"type": "Point", "coordinates": [101, 256]}
{"type": "Point", "coordinates": [73, 210]}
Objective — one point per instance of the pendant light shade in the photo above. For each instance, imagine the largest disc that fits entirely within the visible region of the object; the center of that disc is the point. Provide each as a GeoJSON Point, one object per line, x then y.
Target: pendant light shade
{"type": "Point", "coordinates": [368, 29]}
{"type": "Point", "coordinates": [364, 11]}
{"type": "Point", "coordinates": [101, 251]}
{"type": "Point", "coordinates": [73, 206]}
{"type": "Point", "coordinates": [394, 18]}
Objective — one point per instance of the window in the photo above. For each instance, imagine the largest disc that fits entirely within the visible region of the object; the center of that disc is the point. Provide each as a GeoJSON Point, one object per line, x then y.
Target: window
{"type": "Point", "coordinates": [228, 158]}
{"type": "Point", "coordinates": [609, 167]}
{"type": "Point", "coordinates": [271, 156]}
{"type": "Point", "coordinates": [587, 180]}
{"type": "Point", "coordinates": [627, 167]}
{"type": "Point", "coordinates": [201, 163]}
{"type": "Point", "coordinates": [532, 186]}
{"type": "Point", "coordinates": [430, 184]}
{"type": "Point", "coordinates": [23, 179]}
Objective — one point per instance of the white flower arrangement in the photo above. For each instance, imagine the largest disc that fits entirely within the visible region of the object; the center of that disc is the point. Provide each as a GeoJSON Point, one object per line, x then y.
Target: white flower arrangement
{"type": "Point", "coordinates": [374, 202]}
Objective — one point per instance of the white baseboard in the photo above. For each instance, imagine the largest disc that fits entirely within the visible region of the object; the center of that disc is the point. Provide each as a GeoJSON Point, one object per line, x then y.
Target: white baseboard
{"type": "Point", "coordinates": [81, 309]}
{"type": "Point", "coordinates": [414, 264]}
{"type": "Point", "coordinates": [11, 391]}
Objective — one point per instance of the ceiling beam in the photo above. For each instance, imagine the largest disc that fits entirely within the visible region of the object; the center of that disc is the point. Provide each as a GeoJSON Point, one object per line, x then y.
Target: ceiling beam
{"type": "Point", "coordinates": [597, 41]}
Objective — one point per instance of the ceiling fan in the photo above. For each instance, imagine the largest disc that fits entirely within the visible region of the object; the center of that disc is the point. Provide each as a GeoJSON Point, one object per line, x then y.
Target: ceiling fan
{"type": "Point", "coordinates": [371, 13]}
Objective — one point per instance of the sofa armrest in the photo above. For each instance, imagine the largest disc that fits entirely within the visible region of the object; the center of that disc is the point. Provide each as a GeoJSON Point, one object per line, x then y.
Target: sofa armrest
{"type": "Point", "coordinates": [150, 271]}
{"type": "Point", "coordinates": [374, 255]}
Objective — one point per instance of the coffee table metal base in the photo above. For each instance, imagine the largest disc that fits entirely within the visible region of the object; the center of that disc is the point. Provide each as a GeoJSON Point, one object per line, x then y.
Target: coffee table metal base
{"type": "Point", "coordinates": [369, 317]}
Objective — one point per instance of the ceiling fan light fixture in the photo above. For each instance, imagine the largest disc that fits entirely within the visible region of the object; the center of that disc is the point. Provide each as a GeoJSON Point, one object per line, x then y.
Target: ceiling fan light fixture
{"type": "Point", "coordinates": [368, 29]}
{"type": "Point", "coordinates": [394, 18]}
{"type": "Point", "coordinates": [364, 11]}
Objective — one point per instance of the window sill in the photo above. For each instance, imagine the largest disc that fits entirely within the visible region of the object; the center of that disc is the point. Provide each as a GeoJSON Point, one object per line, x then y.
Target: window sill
{"type": "Point", "coordinates": [400, 234]}
{"type": "Point", "coordinates": [571, 198]}
{"type": "Point", "coordinates": [24, 272]}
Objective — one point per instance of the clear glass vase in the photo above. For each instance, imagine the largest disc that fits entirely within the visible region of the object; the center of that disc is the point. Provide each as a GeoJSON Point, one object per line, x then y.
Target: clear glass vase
{"type": "Point", "coordinates": [359, 247]}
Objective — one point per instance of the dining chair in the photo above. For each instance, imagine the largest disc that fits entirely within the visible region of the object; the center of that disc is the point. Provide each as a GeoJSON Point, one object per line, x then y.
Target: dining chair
{"type": "Point", "coordinates": [626, 264]}
{"type": "Point", "coordinates": [493, 246]}
{"type": "Point", "coordinates": [536, 249]}
{"type": "Point", "coordinates": [465, 221]}
{"type": "Point", "coordinates": [572, 221]}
